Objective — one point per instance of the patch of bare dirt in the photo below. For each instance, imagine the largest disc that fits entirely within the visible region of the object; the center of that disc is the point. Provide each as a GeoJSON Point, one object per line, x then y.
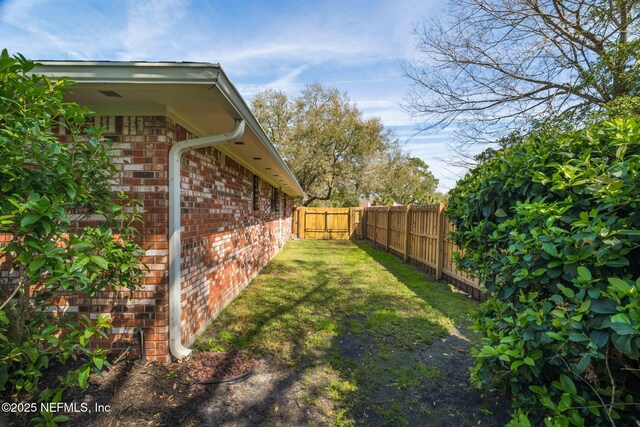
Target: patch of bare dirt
{"type": "Point", "coordinates": [132, 393]}
{"type": "Point", "coordinates": [444, 399]}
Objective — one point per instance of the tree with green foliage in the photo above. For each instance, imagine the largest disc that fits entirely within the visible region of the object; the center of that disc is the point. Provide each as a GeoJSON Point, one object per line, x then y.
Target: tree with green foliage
{"type": "Point", "coordinates": [324, 139]}
{"type": "Point", "coordinates": [48, 191]}
{"type": "Point", "coordinates": [494, 65]}
{"type": "Point", "coordinates": [407, 180]}
{"type": "Point", "coordinates": [342, 198]}
{"type": "Point", "coordinates": [551, 227]}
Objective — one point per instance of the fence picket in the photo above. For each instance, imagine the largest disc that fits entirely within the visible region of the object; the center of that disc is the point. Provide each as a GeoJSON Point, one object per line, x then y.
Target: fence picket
{"type": "Point", "coordinates": [418, 234]}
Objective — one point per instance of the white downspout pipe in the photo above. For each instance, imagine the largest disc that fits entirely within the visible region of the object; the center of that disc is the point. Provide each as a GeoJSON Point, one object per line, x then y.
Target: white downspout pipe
{"type": "Point", "coordinates": [178, 350]}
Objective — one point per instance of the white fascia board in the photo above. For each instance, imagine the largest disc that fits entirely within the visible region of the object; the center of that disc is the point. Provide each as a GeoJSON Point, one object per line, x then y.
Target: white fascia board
{"type": "Point", "coordinates": [166, 73]}
{"type": "Point", "coordinates": [130, 72]}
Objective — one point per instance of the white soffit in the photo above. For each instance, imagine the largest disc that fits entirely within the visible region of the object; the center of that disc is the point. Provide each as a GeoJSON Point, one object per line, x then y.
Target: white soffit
{"type": "Point", "coordinates": [198, 96]}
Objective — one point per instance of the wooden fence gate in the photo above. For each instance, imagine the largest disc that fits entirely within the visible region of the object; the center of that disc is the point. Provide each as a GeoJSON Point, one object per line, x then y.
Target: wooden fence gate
{"type": "Point", "coordinates": [327, 223]}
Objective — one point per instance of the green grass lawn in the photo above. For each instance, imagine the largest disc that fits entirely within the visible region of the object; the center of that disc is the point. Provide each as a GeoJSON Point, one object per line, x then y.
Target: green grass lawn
{"type": "Point", "coordinates": [355, 321]}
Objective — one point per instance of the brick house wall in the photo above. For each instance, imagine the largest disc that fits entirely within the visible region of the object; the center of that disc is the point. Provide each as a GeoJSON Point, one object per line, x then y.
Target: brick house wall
{"type": "Point", "coordinates": [225, 242]}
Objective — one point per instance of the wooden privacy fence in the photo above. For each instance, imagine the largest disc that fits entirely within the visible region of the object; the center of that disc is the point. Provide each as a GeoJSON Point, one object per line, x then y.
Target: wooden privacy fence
{"type": "Point", "coordinates": [418, 234]}
{"type": "Point", "coordinates": [327, 223]}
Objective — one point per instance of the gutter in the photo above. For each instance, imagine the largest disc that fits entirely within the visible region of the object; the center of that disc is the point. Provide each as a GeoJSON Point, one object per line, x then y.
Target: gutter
{"type": "Point", "coordinates": [169, 73]}
{"type": "Point", "coordinates": [178, 350]}
{"type": "Point", "coordinates": [233, 96]}
{"type": "Point", "coordinates": [172, 73]}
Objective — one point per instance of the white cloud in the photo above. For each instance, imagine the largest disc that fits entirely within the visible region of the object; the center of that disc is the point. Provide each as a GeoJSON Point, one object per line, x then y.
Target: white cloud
{"type": "Point", "coordinates": [151, 26]}
{"type": "Point", "coordinates": [287, 83]}
{"type": "Point", "coordinates": [319, 32]}
{"type": "Point", "coordinates": [377, 103]}
{"type": "Point", "coordinates": [390, 112]}
{"type": "Point", "coordinates": [19, 15]}
{"type": "Point", "coordinates": [355, 46]}
{"type": "Point", "coordinates": [415, 132]}
{"type": "Point", "coordinates": [447, 175]}
{"type": "Point", "coordinates": [304, 48]}
{"type": "Point", "coordinates": [390, 117]}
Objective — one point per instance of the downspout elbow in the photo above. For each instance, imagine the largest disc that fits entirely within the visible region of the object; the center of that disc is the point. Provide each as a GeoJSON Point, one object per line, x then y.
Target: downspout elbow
{"type": "Point", "coordinates": [177, 349]}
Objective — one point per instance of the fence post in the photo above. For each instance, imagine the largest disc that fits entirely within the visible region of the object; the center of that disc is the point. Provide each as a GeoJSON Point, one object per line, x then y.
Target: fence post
{"type": "Point", "coordinates": [354, 223]}
{"type": "Point", "coordinates": [326, 225]}
{"type": "Point", "coordinates": [364, 233]}
{"type": "Point", "coordinates": [302, 222]}
{"type": "Point", "coordinates": [407, 231]}
{"type": "Point", "coordinates": [388, 228]}
{"type": "Point", "coordinates": [375, 226]}
{"type": "Point", "coordinates": [350, 221]}
{"type": "Point", "coordinates": [365, 218]}
{"type": "Point", "coordinates": [440, 242]}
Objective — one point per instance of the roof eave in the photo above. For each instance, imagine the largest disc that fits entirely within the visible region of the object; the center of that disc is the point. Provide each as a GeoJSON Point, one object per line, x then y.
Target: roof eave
{"type": "Point", "coordinates": [231, 93]}
{"type": "Point", "coordinates": [169, 73]}
{"type": "Point", "coordinates": [132, 72]}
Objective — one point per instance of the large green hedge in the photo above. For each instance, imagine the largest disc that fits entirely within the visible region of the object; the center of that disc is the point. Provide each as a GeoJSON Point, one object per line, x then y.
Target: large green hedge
{"type": "Point", "coordinates": [552, 228]}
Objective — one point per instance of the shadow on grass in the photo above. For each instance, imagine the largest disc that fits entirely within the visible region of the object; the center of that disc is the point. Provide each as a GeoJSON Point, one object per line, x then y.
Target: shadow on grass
{"type": "Point", "coordinates": [349, 335]}
{"type": "Point", "coordinates": [375, 339]}
{"type": "Point", "coordinates": [277, 305]}
{"type": "Point", "coordinates": [412, 369]}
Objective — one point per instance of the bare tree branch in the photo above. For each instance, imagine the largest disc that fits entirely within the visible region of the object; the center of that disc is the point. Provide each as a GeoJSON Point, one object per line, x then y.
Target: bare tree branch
{"type": "Point", "coordinates": [500, 64]}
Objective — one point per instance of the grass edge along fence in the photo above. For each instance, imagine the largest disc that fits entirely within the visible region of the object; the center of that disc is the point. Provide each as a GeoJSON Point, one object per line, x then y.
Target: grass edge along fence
{"type": "Point", "coordinates": [417, 234]}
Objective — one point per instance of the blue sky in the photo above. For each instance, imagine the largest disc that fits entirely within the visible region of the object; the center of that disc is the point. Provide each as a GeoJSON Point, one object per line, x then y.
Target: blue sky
{"type": "Point", "coordinates": [356, 46]}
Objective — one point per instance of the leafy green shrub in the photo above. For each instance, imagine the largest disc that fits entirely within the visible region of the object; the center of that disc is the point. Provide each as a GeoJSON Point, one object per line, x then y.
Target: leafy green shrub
{"type": "Point", "coordinates": [47, 188]}
{"type": "Point", "coordinates": [552, 228]}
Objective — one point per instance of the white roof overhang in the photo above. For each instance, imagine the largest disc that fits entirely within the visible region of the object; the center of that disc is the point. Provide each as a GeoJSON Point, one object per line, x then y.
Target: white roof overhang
{"type": "Point", "coordinates": [198, 96]}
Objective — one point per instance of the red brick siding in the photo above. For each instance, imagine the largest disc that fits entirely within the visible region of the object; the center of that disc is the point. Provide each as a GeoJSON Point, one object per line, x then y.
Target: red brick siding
{"type": "Point", "coordinates": [225, 242]}
{"type": "Point", "coordinates": [140, 152]}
